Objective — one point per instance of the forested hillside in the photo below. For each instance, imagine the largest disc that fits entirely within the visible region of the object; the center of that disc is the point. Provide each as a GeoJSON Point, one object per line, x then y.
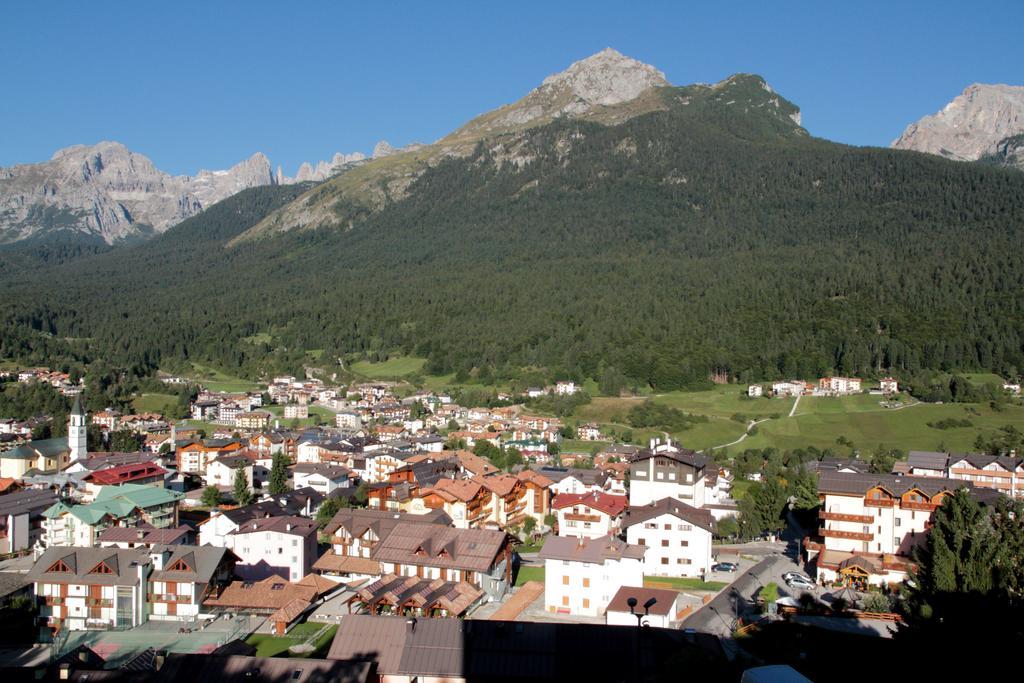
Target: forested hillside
{"type": "Point", "coordinates": [714, 236]}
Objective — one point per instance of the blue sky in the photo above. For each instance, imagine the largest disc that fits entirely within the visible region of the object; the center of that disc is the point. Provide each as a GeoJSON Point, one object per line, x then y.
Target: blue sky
{"type": "Point", "coordinates": [206, 84]}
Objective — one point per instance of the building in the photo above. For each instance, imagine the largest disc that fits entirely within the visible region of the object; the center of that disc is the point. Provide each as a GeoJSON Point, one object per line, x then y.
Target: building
{"type": "Point", "coordinates": [182, 577]}
{"type": "Point", "coordinates": [566, 388]}
{"type": "Point", "coordinates": [573, 480]}
{"type": "Point", "coordinates": [464, 500]}
{"type": "Point", "coordinates": [145, 536]}
{"type": "Point", "coordinates": [404, 650]}
{"type": "Point", "coordinates": [839, 386]}
{"type": "Point", "coordinates": [77, 431]}
{"type": "Point", "coordinates": [871, 523]}
{"type": "Point", "coordinates": [355, 534]}
{"type": "Point", "coordinates": [1003, 473]}
{"type": "Point", "coordinates": [128, 505]}
{"type": "Point", "coordinates": [38, 456]}
{"type": "Point", "coordinates": [298, 502]}
{"type": "Point", "coordinates": [790, 388]}
{"type": "Point", "coordinates": [508, 505]}
{"type": "Point", "coordinates": [665, 607]}
{"type": "Point", "coordinates": [281, 602]}
{"type": "Point", "coordinates": [21, 518]}
{"type": "Point", "coordinates": [755, 391]}
{"type": "Point", "coordinates": [589, 515]}
{"type": "Point", "coordinates": [257, 419]}
{"type": "Point", "coordinates": [222, 470]}
{"type": "Point", "coordinates": [666, 471]}
{"type": "Point", "coordinates": [348, 419]}
{"type": "Point", "coordinates": [284, 546]}
{"type": "Point", "coordinates": [194, 456]}
{"type": "Point", "coordinates": [411, 596]}
{"type": "Point", "coordinates": [677, 537]}
{"type": "Point", "coordinates": [581, 575]}
{"type": "Point", "coordinates": [145, 473]}
{"type": "Point", "coordinates": [324, 478]}
{"type": "Point", "coordinates": [91, 588]}
{"type": "Point", "coordinates": [296, 411]}
{"type": "Point", "coordinates": [235, 667]}
{"type": "Point", "coordinates": [103, 588]}
{"type": "Point", "coordinates": [888, 385]}
{"type": "Point", "coordinates": [480, 557]}
{"type": "Point", "coordinates": [589, 432]}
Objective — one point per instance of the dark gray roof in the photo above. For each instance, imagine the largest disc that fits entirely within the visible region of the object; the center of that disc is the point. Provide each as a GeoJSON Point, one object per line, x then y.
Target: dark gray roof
{"type": "Point", "coordinates": [357, 520]}
{"type": "Point", "coordinates": [669, 506]}
{"type": "Point", "coordinates": [855, 483]}
{"type": "Point", "coordinates": [203, 668]}
{"type": "Point", "coordinates": [12, 582]}
{"type": "Point", "coordinates": [48, 448]}
{"type": "Point", "coordinates": [681, 455]}
{"type": "Point", "coordinates": [81, 561]}
{"type": "Point", "coordinates": [203, 560]}
{"type": "Point", "coordinates": [595, 550]}
{"type": "Point", "coordinates": [930, 460]}
{"type": "Point", "coordinates": [27, 501]}
{"type": "Point", "coordinates": [491, 651]}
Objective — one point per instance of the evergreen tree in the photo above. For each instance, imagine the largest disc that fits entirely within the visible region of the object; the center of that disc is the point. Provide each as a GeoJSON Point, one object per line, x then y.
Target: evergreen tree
{"type": "Point", "coordinates": [279, 474]}
{"type": "Point", "coordinates": [804, 489]}
{"type": "Point", "coordinates": [211, 497]}
{"type": "Point", "coordinates": [243, 496]}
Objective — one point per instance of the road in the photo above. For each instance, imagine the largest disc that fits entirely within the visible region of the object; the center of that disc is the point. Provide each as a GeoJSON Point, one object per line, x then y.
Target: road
{"type": "Point", "coordinates": [792, 411]}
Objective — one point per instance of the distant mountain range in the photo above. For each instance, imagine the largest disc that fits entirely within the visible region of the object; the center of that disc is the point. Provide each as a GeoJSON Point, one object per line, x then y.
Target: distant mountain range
{"type": "Point", "coordinates": [108, 193]}
{"type": "Point", "coordinates": [984, 123]}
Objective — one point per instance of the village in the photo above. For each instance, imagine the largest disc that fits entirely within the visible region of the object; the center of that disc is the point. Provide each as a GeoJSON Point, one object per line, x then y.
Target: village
{"type": "Point", "coordinates": [419, 508]}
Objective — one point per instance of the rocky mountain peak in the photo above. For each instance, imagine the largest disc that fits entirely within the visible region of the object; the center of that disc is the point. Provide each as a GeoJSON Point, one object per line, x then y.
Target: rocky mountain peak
{"type": "Point", "coordinates": [606, 78]}
{"type": "Point", "coordinates": [971, 126]}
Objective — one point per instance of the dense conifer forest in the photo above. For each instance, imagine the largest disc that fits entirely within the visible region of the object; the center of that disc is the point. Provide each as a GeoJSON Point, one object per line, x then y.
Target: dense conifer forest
{"type": "Point", "coordinates": [702, 239]}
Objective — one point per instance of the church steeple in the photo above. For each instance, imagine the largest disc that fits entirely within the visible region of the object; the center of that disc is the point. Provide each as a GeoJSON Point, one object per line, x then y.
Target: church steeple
{"type": "Point", "coordinates": [77, 431]}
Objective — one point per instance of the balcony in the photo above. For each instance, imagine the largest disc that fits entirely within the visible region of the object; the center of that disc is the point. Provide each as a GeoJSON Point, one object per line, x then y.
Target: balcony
{"type": "Point", "coordinates": [878, 502]}
{"type": "Point", "coordinates": [52, 600]}
{"type": "Point", "coordinates": [99, 602]}
{"type": "Point", "coordinates": [927, 507]}
{"type": "Point", "coordinates": [849, 535]}
{"type": "Point", "coordinates": [843, 517]}
{"type": "Point", "coordinates": [168, 597]}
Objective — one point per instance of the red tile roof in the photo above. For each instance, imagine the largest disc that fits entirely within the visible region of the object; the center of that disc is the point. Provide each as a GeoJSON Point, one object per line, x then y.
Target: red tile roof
{"type": "Point", "coordinates": [121, 474]}
{"type": "Point", "coordinates": [598, 500]}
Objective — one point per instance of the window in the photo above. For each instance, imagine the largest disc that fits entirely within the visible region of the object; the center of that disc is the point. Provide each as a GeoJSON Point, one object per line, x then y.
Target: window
{"type": "Point", "coordinates": [586, 603]}
{"type": "Point", "coordinates": [685, 544]}
{"type": "Point", "coordinates": [671, 476]}
{"type": "Point", "coordinates": [565, 601]}
{"type": "Point", "coordinates": [586, 583]}
{"type": "Point", "coordinates": [664, 560]}
{"type": "Point", "coordinates": [898, 521]}
{"type": "Point", "coordinates": [867, 529]}
{"type": "Point", "coordinates": [295, 542]}
{"type": "Point", "coordinates": [689, 478]}
{"type": "Point", "coordinates": [668, 527]}
{"type": "Point", "coordinates": [660, 475]}
{"type": "Point", "coordinates": [650, 525]}
{"type": "Point", "coordinates": [684, 527]}
{"type": "Point", "coordinates": [641, 541]}
{"type": "Point", "coordinates": [879, 528]}
{"type": "Point", "coordinates": [664, 543]}
{"type": "Point", "coordinates": [896, 542]}
{"type": "Point", "coordinates": [565, 580]}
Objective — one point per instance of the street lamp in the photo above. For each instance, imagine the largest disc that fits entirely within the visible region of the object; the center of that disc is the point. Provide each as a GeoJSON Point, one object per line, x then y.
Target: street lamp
{"type": "Point", "coordinates": [647, 608]}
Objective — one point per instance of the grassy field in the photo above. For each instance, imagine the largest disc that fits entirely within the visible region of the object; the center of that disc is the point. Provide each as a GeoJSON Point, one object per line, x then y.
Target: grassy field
{"type": "Point", "coordinates": [529, 574]}
{"type": "Point", "coordinates": [740, 488]}
{"type": "Point", "coordinates": [326, 416]}
{"type": "Point", "coordinates": [393, 368]}
{"type": "Point", "coordinates": [681, 584]}
{"type": "Point", "coordinates": [215, 380]}
{"type": "Point", "coordinates": [725, 401]}
{"type": "Point", "coordinates": [155, 403]}
{"type": "Point", "coordinates": [820, 421]}
{"type": "Point", "coordinates": [277, 646]}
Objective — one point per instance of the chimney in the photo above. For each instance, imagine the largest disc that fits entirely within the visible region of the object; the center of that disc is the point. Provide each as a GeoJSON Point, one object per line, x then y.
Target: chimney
{"type": "Point", "coordinates": [288, 526]}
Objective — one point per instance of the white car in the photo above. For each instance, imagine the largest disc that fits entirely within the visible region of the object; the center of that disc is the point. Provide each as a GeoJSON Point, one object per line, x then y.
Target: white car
{"type": "Point", "coordinates": [796, 575]}
{"type": "Point", "coordinates": [801, 583]}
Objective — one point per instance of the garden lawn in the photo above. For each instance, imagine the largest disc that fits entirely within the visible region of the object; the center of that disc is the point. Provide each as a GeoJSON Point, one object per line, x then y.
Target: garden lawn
{"type": "Point", "coordinates": [215, 380]}
{"type": "Point", "coordinates": [681, 584]}
{"type": "Point", "coordinates": [529, 574]}
{"type": "Point", "coordinates": [277, 646]}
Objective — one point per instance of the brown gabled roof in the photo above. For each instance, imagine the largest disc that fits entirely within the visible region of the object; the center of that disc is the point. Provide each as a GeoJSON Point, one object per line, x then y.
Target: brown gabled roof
{"type": "Point", "coordinates": [670, 506]}
{"type": "Point", "coordinates": [332, 562]}
{"type": "Point", "coordinates": [270, 593]}
{"type": "Point", "coordinates": [855, 483]}
{"type": "Point", "coordinates": [665, 600]}
{"type": "Point", "coordinates": [436, 546]}
{"type": "Point", "coordinates": [461, 489]}
{"type": "Point", "coordinates": [594, 550]}
{"type": "Point", "coordinates": [501, 484]}
{"type": "Point", "coordinates": [537, 478]}
{"type": "Point", "coordinates": [473, 463]}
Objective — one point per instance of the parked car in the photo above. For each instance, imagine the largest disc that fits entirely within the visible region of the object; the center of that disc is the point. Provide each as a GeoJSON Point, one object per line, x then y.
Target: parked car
{"type": "Point", "coordinates": [725, 567]}
{"type": "Point", "coordinates": [796, 575]}
{"type": "Point", "coordinates": [799, 583]}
